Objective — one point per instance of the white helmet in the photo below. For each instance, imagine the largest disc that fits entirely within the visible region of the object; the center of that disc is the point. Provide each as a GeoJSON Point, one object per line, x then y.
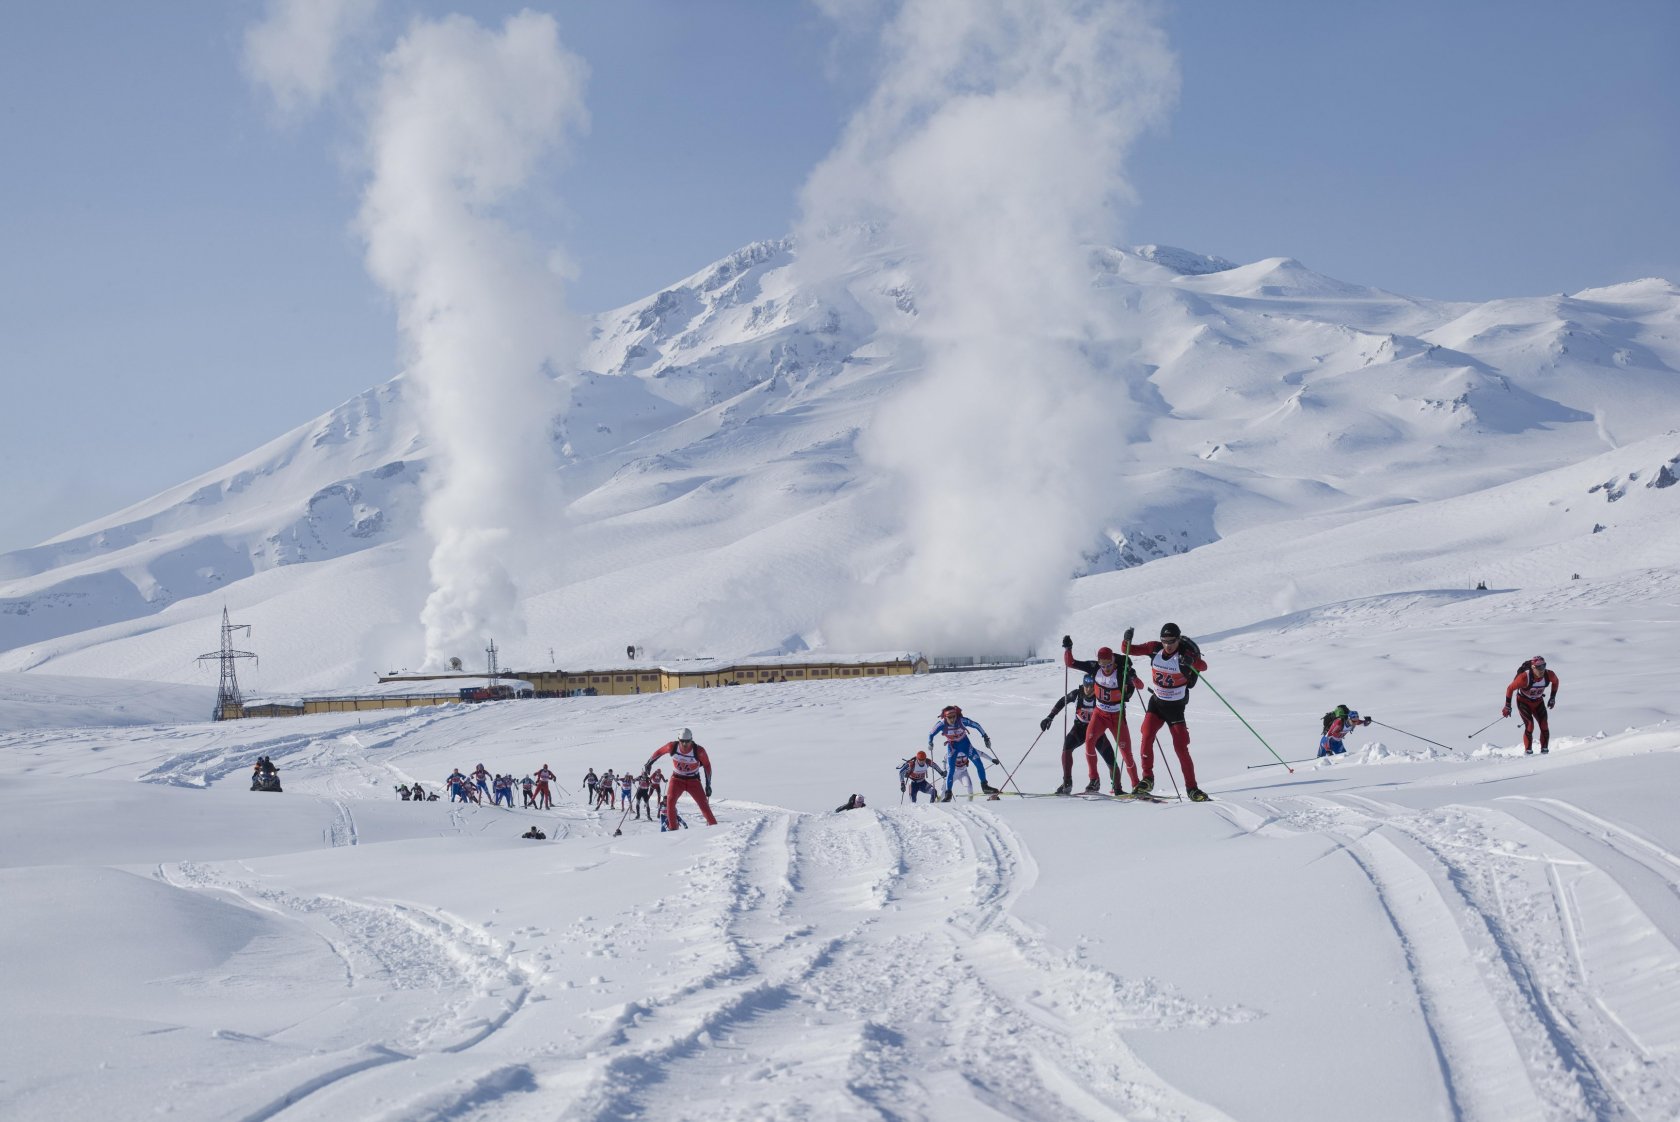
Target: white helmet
{"type": "Point", "coordinates": [685, 734]}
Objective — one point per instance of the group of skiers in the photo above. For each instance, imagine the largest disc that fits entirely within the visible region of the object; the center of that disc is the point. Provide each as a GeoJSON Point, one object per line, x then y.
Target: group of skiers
{"type": "Point", "coordinates": [1174, 665]}
{"type": "Point", "coordinates": [1097, 705]}
{"type": "Point", "coordinates": [638, 792]}
{"type": "Point", "coordinates": [480, 786]}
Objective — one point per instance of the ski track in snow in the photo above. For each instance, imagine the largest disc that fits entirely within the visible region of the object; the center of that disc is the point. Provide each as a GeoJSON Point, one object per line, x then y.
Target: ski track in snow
{"type": "Point", "coordinates": [1534, 936]}
{"type": "Point", "coordinates": [461, 986]}
{"type": "Point", "coordinates": [820, 918]}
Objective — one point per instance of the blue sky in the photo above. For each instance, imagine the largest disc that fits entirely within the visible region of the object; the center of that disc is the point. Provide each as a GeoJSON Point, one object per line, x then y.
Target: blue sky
{"type": "Point", "coordinates": [179, 282]}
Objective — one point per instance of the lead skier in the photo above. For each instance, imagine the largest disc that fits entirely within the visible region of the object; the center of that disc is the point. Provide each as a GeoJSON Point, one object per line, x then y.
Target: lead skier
{"type": "Point", "coordinates": [1174, 663]}
{"type": "Point", "coordinates": [688, 760]}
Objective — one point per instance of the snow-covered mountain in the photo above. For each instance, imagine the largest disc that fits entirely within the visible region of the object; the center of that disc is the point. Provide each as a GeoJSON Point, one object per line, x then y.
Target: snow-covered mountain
{"type": "Point", "coordinates": [715, 501]}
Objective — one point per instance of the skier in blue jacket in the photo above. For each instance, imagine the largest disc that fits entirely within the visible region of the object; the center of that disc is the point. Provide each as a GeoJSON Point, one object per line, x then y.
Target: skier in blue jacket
{"type": "Point", "coordinates": [953, 726]}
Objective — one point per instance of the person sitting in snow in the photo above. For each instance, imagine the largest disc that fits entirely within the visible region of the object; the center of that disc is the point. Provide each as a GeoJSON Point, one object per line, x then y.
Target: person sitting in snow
{"type": "Point", "coordinates": [534, 834]}
{"type": "Point", "coordinates": [853, 803]}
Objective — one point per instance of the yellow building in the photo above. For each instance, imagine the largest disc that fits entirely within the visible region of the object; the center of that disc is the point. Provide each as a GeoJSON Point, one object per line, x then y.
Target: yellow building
{"type": "Point", "coordinates": [404, 691]}
{"type": "Point", "coordinates": [624, 678]}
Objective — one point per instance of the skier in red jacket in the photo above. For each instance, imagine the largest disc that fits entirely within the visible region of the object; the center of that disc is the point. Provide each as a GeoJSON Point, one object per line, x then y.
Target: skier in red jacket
{"type": "Point", "coordinates": [1174, 663]}
{"type": "Point", "coordinates": [1530, 687]}
{"type": "Point", "coordinates": [688, 761]}
{"type": "Point", "coordinates": [1114, 682]}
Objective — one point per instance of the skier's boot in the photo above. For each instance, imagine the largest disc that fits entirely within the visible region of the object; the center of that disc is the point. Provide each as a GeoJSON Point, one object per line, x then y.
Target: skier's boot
{"type": "Point", "coordinates": [989, 789]}
{"type": "Point", "coordinates": [947, 797]}
{"type": "Point", "coordinates": [1145, 785]}
{"type": "Point", "coordinates": [1197, 795]}
{"type": "Point", "coordinates": [1066, 788]}
{"type": "Point", "coordinates": [1545, 751]}
{"type": "Point", "coordinates": [1093, 787]}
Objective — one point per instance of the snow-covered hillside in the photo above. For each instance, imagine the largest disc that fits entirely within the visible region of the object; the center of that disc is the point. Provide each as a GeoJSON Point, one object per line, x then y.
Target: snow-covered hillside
{"type": "Point", "coordinates": [715, 423]}
{"type": "Point", "coordinates": [1417, 930]}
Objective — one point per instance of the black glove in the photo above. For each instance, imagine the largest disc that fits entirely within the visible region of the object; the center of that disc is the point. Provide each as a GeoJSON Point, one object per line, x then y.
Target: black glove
{"type": "Point", "coordinates": [1127, 638]}
{"type": "Point", "coordinates": [1044, 725]}
{"type": "Point", "coordinates": [1067, 642]}
{"type": "Point", "coordinates": [901, 784]}
{"type": "Point", "coordinates": [708, 788]}
{"type": "Point", "coordinates": [1552, 704]}
{"type": "Point", "coordinates": [988, 741]}
{"type": "Point", "coordinates": [1505, 712]}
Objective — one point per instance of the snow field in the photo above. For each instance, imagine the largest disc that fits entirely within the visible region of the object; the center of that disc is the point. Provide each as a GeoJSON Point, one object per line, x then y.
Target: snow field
{"type": "Point", "coordinates": [1410, 931]}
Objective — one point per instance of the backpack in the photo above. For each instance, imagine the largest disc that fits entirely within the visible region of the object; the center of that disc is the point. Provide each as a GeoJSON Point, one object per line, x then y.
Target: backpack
{"type": "Point", "coordinates": [1329, 719]}
{"type": "Point", "coordinates": [1188, 653]}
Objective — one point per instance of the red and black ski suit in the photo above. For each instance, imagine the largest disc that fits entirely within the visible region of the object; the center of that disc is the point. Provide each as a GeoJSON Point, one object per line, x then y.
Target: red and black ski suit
{"type": "Point", "coordinates": [1532, 704]}
{"type": "Point", "coordinates": [543, 798]}
{"type": "Point", "coordinates": [1170, 680]}
{"type": "Point", "coordinates": [1107, 715]}
{"type": "Point", "coordinates": [688, 761]}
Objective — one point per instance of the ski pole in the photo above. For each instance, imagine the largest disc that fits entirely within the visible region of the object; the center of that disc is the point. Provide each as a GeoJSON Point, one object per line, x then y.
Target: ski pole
{"type": "Point", "coordinates": [1244, 720]}
{"type": "Point", "coordinates": [1272, 763]}
{"type": "Point", "coordinates": [1485, 727]}
{"type": "Point", "coordinates": [621, 818]}
{"type": "Point", "coordinates": [1010, 778]}
{"type": "Point", "coordinates": [1415, 736]}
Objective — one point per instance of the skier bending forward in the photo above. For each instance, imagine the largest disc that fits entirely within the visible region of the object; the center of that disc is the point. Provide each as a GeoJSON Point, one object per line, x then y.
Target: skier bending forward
{"type": "Point", "coordinates": [688, 761]}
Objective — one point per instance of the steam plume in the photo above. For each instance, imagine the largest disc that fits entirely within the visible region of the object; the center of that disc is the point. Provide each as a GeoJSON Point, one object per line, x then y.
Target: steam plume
{"type": "Point", "coordinates": [294, 52]}
{"type": "Point", "coordinates": [462, 119]}
{"type": "Point", "coordinates": [991, 149]}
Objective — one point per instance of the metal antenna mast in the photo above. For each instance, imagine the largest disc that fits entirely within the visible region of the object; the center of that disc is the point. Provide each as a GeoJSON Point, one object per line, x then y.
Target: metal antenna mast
{"type": "Point", "coordinates": [491, 651]}
{"type": "Point", "coordinates": [229, 701]}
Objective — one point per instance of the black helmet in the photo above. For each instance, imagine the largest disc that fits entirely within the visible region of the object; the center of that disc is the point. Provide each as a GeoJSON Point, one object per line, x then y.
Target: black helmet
{"type": "Point", "coordinates": [1170, 631]}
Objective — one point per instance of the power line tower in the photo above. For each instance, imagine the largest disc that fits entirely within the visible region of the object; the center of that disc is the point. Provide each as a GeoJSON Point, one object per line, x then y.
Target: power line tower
{"type": "Point", "coordinates": [495, 671]}
{"type": "Point", "coordinates": [229, 701]}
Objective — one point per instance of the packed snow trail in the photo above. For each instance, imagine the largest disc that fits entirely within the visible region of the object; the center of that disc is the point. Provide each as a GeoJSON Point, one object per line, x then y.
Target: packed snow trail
{"type": "Point", "coordinates": [1549, 989]}
{"type": "Point", "coordinates": [875, 953]}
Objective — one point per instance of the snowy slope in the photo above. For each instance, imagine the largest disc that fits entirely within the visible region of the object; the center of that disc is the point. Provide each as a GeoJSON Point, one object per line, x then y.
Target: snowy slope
{"type": "Point", "coordinates": [716, 422]}
{"type": "Point", "coordinates": [1414, 931]}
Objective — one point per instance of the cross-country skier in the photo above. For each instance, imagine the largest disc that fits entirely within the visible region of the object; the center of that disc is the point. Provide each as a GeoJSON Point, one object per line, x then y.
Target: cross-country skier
{"type": "Point", "coordinates": [608, 795]}
{"type": "Point", "coordinates": [644, 792]}
{"type": "Point", "coordinates": [1338, 723]}
{"type": "Point", "coordinates": [527, 788]}
{"type": "Point", "coordinates": [953, 726]}
{"type": "Point", "coordinates": [541, 798]}
{"type": "Point", "coordinates": [913, 773]}
{"type": "Point", "coordinates": [626, 786]}
{"type": "Point", "coordinates": [658, 778]}
{"type": "Point", "coordinates": [1530, 687]}
{"type": "Point", "coordinates": [688, 761]}
{"type": "Point", "coordinates": [457, 784]}
{"type": "Point", "coordinates": [503, 785]}
{"type": "Point", "coordinates": [590, 782]}
{"type": "Point", "coordinates": [1174, 663]}
{"type": "Point", "coordinates": [481, 777]}
{"type": "Point", "coordinates": [1099, 712]}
